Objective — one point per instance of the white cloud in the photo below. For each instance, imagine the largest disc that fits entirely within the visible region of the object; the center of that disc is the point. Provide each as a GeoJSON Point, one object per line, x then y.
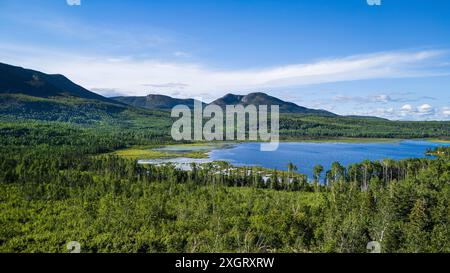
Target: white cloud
{"type": "Point", "coordinates": [406, 110]}
{"type": "Point", "coordinates": [425, 110]}
{"type": "Point", "coordinates": [446, 111]}
{"type": "Point", "coordinates": [130, 75]}
{"type": "Point", "coordinates": [410, 112]}
{"type": "Point", "coordinates": [407, 107]}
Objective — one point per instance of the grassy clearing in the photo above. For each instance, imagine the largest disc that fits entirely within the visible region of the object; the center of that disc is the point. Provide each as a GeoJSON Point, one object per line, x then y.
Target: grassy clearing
{"type": "Point", "coordinates": [151, 153]}
{"type": "Point", "coordinates": [194, 150]}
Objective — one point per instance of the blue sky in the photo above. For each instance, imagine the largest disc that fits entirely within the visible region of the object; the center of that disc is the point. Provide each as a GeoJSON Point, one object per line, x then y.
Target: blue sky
{"type": "Point", "coordinates": [344, 56]}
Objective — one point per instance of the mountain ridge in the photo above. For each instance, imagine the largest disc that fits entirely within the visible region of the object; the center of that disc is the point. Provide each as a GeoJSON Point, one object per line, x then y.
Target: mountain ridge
{"type": "Point", "coordinates": [19, 80]}
{"type": "Point", "coordinates": [154, 101]}
{"type": "Point", "coordinates": [260, 98]}
{"type": "Point", "coordinates": [163, 102]}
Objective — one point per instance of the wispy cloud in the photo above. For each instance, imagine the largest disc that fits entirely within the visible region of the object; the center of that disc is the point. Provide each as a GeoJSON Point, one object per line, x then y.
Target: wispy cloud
{"type": "Point", "coordinates": [107, 37]}
{"type": "Point", "coordinates": [131, 75]}
{"type": "Point", "coordinates": [367, 99]}
{"type": "Point", "coordinates": [167, 85]}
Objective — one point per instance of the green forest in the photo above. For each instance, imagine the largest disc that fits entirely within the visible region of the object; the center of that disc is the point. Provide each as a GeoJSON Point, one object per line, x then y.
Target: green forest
{"type": "Point", "coordinates": [113, 117]}
{"type": "Point", "coordinates": [59, 183]}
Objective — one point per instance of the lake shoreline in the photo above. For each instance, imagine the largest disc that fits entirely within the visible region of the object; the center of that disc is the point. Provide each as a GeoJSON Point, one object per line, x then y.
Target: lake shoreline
{"type": "Point", "coordinates": [202, 150]}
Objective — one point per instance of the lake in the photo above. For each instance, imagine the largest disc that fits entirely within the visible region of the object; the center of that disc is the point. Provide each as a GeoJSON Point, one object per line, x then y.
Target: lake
{"type": "Point", "coordinates": [305, 155]}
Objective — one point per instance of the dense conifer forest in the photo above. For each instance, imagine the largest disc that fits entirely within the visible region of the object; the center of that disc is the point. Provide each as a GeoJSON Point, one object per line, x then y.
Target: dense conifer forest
{"type": "Point", "coordinates": [59, 183]}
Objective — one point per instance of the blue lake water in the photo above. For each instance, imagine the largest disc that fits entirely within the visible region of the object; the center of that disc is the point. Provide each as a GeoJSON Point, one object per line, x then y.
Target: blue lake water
{"type": "Point", "coordinates": [306, 155]}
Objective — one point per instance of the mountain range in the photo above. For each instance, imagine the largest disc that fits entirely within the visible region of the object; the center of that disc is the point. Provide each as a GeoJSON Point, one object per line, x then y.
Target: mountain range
{"type": "Point", "coordinates": [29, 95]}
{"type": "Point", "coordinates": [21, 85]}
{"type": "Point", "coordinates": [162, 102]}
